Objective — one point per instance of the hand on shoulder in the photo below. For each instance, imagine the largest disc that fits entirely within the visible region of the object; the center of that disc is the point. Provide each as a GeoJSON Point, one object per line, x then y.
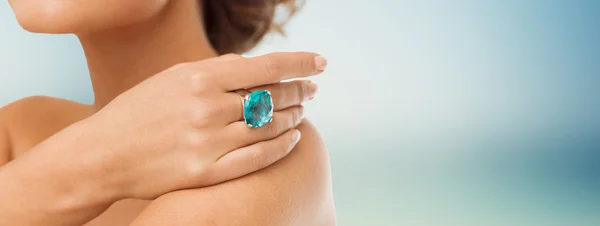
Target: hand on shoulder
{"type": "Point", "coordinates": [293, 191]}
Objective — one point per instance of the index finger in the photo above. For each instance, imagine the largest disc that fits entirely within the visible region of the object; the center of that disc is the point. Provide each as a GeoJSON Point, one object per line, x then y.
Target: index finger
{"type": "Point", "coordinates": [267, 69]}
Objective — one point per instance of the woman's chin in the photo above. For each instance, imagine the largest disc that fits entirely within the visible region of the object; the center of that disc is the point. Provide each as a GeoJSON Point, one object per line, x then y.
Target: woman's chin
{"type": "Point", "coordinates": [55, 25]}
{"type": "Point", "coordinates": [45, 27]}
{"type": "Point", "coordinates": [73, 16]}
{"type": "Point", "coordinates": [43, 23]}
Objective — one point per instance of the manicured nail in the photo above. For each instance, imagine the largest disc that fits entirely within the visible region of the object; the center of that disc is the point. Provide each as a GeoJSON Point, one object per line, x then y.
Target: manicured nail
{"type": "Point", "coordinates": [320, 63]}
{"type": "Point", "coordinates": [295, 136]}
{"type": "Point", "coordinates": [300, 113]}
{"type": "Point", "coordinates": [310, 90]}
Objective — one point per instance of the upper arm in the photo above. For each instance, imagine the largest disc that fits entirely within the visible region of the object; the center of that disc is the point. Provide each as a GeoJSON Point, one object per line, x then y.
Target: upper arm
{"type": "Point", "coordinates": [294, 191]}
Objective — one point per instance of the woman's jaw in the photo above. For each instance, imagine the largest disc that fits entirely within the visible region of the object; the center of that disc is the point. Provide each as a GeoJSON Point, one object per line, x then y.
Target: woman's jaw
{"type": "Point", "coordinates": [76, 17]}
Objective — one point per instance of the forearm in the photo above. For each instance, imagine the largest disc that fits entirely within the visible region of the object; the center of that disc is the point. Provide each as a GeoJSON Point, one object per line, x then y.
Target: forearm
{"type": "Point", "coordinates": [52, 185]}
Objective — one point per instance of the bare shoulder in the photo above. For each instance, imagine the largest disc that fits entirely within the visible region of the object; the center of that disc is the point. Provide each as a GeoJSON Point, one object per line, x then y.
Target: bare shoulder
{"type": "Point", "coordinates": [40, 108]}
{"type": "Point", "coordinates": [294, 191]}
{"type": "Point", "coordinates": [30, 120]}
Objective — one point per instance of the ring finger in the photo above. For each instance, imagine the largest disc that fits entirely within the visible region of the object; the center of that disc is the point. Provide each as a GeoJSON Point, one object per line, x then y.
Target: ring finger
{"type": "Point", "coordinates": [284, 95]}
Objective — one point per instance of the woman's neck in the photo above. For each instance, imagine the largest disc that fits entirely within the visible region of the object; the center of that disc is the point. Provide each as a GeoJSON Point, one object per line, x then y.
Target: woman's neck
{"type": "Point", "coordinates": [119, 59]}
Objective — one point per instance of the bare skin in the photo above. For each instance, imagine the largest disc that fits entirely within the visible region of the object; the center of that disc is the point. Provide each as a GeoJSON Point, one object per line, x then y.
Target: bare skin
{"type": "Point", "coordinates": [31, 120]}
{"type": "Point", "coordinates": [126, 50]}
{"type": "Point", "coordinates": [282, 188]}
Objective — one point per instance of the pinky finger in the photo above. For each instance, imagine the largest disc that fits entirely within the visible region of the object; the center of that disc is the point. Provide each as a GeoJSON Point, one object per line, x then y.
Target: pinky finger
{"type": "Point", "coordinates": [251, 158]}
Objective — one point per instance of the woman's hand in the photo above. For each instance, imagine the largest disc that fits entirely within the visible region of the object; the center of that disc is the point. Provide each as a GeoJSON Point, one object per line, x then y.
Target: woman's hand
{"type": "Point", "coordinates": [184, 128]}
{"type": "Point", "coordinates": [181, 128]}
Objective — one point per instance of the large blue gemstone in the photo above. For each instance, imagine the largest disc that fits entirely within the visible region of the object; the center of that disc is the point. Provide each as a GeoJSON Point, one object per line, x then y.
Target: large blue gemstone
{"type": "Point", "coordinates": [258, 108]}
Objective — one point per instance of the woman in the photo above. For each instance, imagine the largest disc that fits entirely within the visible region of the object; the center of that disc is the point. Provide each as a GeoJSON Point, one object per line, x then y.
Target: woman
{"type": "Point", "coordinates": [164, 144]}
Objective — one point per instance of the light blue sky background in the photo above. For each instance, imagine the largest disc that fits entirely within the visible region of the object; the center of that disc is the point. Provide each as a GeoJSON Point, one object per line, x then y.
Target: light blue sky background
{"type": "Point", "coordinates": [439, 112]}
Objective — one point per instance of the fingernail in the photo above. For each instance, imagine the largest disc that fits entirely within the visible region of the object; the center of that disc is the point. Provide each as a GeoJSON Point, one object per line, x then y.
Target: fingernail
{"type": "Point", "coordinates": [320, 63]}
{"type": "Point", "coordinates": [311, 90]}
{"type": "Point", "coordinates": [296, 136]}
{"type": "Point", "coordinates": [300, 113]}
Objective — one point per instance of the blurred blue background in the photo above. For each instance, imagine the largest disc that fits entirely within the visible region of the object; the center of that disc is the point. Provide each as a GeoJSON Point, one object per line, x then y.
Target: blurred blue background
{"type": "Point", "coordinates": [435, 112]}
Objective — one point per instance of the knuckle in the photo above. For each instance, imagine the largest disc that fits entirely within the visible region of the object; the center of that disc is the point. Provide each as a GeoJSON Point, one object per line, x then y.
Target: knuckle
{"type": "Point", "coordinates": [272, 66]}
{"type": "Point", "coordinates": [192, 140]}
{"type": "Point", "coordinates": [196, 169]}
{"type": "Point", "coordinates": [197, 114]}
{"type": "Point", "coordinates": [197, 82]}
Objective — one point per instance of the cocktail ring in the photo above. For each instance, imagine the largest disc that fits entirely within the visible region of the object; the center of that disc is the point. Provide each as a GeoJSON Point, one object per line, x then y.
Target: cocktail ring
{"type": "Point", "coordinates": [258, 108]}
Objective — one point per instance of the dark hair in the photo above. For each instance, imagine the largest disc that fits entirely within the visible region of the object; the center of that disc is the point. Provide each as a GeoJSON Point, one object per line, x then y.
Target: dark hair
{"type": "Point", "coordinates": [236, 26]}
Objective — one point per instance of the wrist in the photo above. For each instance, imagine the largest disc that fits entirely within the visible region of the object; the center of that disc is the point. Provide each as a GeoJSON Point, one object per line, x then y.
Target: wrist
{"type": "Point", "coordinates": [60, 176]}
{"type": "Point", "coordinates": [97, 182]}
{"type": "Point", "coordinates": [36, 198]}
